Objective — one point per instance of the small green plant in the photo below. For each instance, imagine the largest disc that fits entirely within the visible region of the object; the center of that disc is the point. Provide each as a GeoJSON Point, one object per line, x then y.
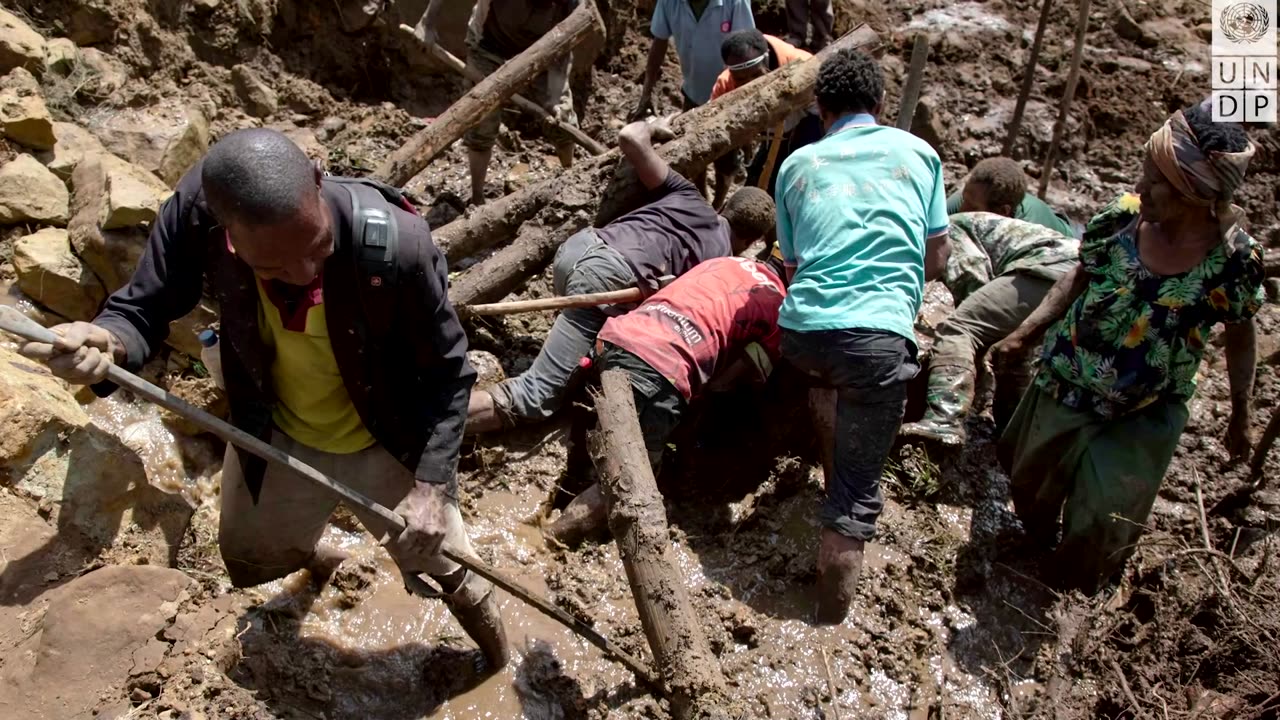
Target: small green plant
{"type": "Point", "coordinates": [915, 476]}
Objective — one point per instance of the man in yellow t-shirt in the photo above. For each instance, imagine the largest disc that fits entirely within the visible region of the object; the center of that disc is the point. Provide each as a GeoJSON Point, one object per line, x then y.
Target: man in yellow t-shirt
{"type": "Point", "coordinates": [339, 353]}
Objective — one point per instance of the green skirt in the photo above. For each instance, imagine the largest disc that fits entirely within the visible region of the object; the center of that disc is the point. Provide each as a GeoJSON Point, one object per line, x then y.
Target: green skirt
{"type": "Point", "coordinates": [1100, 475]}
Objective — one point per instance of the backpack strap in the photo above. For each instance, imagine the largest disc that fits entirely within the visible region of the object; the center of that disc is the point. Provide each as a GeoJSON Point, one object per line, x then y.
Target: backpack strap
{"type": "Point", "coordinates": [377, 254]}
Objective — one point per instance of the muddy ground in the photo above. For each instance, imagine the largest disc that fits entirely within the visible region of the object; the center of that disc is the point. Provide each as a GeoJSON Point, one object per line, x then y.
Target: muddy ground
{"type": "Point", "coordinates": [950, 621]}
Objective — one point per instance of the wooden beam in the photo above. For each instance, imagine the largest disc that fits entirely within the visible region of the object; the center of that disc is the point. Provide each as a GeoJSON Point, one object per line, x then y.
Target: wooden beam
{"type": "Point", "coordinates": [1028, 79]}
{"type": "Point", "coordinates": [496, 276]}
{"type": "Point", "coordinates": [693, 677]}
{"type": "Point", "coordinates": [489, 95]}
{"type": "Point", "coordinates": [1073, 76]}
{"type": "Point", "coordinates": [449, 60]}
{"type": "Point", "coordinates": [915, 80]}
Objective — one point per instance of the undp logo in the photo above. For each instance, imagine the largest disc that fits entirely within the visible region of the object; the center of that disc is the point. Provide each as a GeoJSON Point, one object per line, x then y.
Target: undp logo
{"type": "Point", "coordinates": [1244, 22]}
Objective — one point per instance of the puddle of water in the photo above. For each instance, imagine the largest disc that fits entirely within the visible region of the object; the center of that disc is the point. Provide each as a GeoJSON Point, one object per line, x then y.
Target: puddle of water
{"type": "Point", "coordinates": [961, 17]}
{"type": "Point", "coordinates": [139, 426]}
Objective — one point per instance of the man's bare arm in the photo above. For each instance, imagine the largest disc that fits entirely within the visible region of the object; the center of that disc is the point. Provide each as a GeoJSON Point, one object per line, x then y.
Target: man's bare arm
{"type": "Point", "coordinates": [937, 251]}
{"type": "Point", "coordinates": [652, 71]}
{"type": "Point", "coordinates": [636, 142]}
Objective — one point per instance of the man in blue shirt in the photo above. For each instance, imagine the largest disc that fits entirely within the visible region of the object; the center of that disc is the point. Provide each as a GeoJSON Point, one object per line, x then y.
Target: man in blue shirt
{"type": "Point", "coordinates": [862, 224]}
{"type": "Point", "coordinates": [698, 28]}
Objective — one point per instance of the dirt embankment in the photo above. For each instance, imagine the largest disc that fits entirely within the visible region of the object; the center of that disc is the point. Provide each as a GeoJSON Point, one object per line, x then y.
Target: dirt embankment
{"type": "Point", "coordinates": [950, 621]}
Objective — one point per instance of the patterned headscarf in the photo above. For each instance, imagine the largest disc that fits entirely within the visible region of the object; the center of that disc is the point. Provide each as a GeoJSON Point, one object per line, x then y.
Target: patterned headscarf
{"type": "Point", "coordinates": [1207, 180]}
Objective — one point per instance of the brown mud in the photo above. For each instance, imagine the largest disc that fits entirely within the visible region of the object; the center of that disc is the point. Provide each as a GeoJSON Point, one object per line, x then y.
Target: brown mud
{"type": "Point", "coordinates": [950, 621]}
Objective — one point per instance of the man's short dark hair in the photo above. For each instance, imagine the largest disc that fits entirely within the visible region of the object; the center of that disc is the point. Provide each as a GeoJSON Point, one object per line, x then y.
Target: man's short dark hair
{"type": "Point", "coordinates": [749, 43]}
{"type": "Point", "coordinates": [1215, 136]}
{"type": "Point", "coordinates": [257, 177]}
{"type": "Point", "coordinates": [1003, 179]}
{"type": "Point", "coordinates": [849, 82]}
{"type": "Point", "coordinates": [751, 213]}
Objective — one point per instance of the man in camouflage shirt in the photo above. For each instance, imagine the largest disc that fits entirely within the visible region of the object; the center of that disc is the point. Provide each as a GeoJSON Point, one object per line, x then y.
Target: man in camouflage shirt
{"type": "Point", "coordinates": [999, 270]}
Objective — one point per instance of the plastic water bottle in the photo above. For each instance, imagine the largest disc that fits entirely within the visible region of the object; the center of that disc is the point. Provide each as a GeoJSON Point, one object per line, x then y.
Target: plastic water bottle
{"type": "Point", "coordinates": [211, 355]}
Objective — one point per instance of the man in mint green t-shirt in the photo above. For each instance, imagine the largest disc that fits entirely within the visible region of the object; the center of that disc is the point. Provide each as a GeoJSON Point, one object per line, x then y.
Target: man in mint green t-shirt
{"type": "Point", "coordinates": [862, 224]}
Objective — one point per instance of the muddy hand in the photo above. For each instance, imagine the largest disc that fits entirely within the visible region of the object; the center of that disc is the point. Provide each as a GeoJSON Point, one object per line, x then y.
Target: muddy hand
{"type": "Point", "coordinates": [425, 513]}
{"type": "Point", "coordinates": [1008, 354]}
{"type": "Point", "coordinates": [83, 354]}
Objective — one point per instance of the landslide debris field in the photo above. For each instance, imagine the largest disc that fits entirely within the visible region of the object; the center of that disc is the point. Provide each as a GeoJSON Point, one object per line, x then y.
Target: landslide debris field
{"type": "Point", "coordinates": [113, 600]}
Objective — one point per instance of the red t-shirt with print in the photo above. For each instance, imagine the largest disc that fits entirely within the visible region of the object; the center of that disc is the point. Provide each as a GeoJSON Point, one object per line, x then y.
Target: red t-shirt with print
{"type": "Point", "coordinates": [700, 323]}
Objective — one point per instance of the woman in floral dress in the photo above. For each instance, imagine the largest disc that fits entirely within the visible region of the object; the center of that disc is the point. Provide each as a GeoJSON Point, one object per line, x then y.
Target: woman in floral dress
{"type": "Point", "coordinates": [1127, 328]}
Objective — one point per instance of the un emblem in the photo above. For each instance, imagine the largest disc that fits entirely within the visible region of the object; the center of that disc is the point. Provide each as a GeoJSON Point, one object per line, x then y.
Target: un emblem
{"type": "Point", "coordinates": [1244, 22]}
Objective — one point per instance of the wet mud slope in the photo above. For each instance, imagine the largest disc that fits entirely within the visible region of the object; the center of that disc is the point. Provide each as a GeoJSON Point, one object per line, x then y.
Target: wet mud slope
{"type": "Point", "coordinates": [117, 605]}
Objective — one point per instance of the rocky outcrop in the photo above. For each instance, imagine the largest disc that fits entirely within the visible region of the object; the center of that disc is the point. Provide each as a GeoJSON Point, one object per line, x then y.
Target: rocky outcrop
{"type": "Point", "coordinates": [53, 276]}
{"type": "Point", "coordinates": [30, 193]}
{"type": "Point", "coordinates": [23, 115]}
{"type": "Point", "coordinates": [132, 196]}
{"type": "Point", "coordinates": [166, 139]}
{"type": "Point", "coordinates": [104, 74]}
{"type": "Point", "coordinates": [73, 143]}
{"type": "Point", "coordinates": [20, 46]}
{"type": "Point", "coordinates": [94, 486]}
{"type": "Point", "coordinates": [258, 97]}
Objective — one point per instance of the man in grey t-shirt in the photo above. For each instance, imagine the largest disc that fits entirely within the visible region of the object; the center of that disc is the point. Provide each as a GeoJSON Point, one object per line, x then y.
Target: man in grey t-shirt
{"type": "Point", "coordinates": [675, 231]}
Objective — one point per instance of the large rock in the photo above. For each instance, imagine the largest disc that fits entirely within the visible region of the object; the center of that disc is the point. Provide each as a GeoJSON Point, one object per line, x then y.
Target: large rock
{"type": "Point", "coordinates": [166, 139]}
{"type": "Point", "coordinates": [20, 46]}
{"type": "Point", "coordinates": [52, 275]}
{"type": "Point", "coordinates": [97, 632]}
{"type": "Point", "coordinates": [23, 114]}
{"type": "Point", "coordinates": [183, 332]}
{"type": "Point", "coordinates": [73, 143]}
{"type": "Point", "coordinates": [90, 22]}
{"type": "Point", "coordinates": [30, 193]}
{"type": "Point", "coordinates": [258, 97]}
{"type": "Point", "coordinates": [133, 196]}
{"type": "Point", "coordinates": [92, 483]}
{"type": "Point", "coordinates": [112, 253]}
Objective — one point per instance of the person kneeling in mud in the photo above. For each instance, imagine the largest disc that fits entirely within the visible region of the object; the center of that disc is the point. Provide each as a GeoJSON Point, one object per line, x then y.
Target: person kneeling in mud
{"type": "Point", "coordinates": [1000, 269]}
{"type": "Point", "coordinates": [718, 324]}
{"type": "Point", "coordinates": [674, 232]}
{"type": "Point", "coordinates": [998, 185]}
{"type": "Point", "coordinates": [1093, 436]}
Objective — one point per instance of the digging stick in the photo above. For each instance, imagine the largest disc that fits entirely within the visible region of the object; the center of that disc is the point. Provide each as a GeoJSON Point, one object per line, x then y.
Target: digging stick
{"type": "Point", "coordinates": [1028, 78]}
{"type": "Point", "coordinates": [1077, 55]}
{"type": "Point", "coordinates": [1264, 446]}
{"type": "Point", "coordinates": [449, 60]}
{"type": "Point", "coordinates": [613, 297]}
{"type": "Point", "coordinates": [15, 323]}
{"type": "Point", "coordinates": [775, 147]}
{"type": "Point", "coordinates": [915, 80]}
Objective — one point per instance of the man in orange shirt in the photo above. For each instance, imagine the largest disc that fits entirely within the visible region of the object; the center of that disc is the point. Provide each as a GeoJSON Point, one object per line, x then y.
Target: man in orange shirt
{"type": "Point", "coordinates": [749, 54]}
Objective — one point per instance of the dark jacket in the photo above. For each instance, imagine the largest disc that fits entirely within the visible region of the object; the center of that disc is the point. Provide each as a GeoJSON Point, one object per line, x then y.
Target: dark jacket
{"type": "Point", "coordinates": [410, 385]}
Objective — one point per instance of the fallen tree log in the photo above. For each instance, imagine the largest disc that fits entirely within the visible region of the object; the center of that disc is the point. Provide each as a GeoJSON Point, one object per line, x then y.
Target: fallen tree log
{"type": "Point", "coordinates": [703, 134]}
{"type": "Point", "coordinates": [694, 679]}
{"type": "Point", "coordinates": [496, 276]}
{"type": "Point", "coordinates": [516, 307]}
{"type": "Point", "coordinates": [489, 95]}
{"type": "Point", "coordinates": [447, 59]}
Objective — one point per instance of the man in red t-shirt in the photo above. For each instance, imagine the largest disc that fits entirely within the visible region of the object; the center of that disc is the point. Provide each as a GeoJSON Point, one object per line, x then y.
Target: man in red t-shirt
{"type": "Point", "coordinates": [718, 322]}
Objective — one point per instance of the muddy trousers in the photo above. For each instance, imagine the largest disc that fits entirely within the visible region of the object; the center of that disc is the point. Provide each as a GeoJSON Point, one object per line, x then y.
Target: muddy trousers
{"type": "Point", "coordinates": [278, 535]}
{"type": "Point", "coordinates": [803, 13]}
{"type": "Point", "coordinates": [869, 370]}
{"type": "Point", "coordinates": [1100, 475]}
{"type": "Point", "coordinates": [981, 320]}
{"type": "Point", "coordinates": [583, 264]}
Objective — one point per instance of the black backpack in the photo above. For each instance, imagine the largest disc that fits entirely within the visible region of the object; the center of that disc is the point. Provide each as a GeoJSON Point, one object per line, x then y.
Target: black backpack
{"type": "Point", "coordinates": [376, 238]}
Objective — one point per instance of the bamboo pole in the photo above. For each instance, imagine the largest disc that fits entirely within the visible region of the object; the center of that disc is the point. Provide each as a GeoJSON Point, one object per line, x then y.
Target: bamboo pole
{"type": "Point", "coordinates": [1077, 55]}
{"type": "Point", "coordinates": [915, 80]}
{"type": "Point", "coordinates": [1028, 79]}
{"type": "Point", "coordinates": [613, 297]}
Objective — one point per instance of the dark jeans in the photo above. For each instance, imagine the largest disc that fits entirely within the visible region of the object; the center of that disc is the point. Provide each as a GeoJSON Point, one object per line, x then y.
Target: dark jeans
{"type": "Point", "coordinates": [659, 404]}
{"type": "Point", "coordinates": [869, 370]}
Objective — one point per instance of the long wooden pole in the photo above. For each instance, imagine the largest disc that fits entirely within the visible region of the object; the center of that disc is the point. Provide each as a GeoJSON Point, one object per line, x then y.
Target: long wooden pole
{"type": "Point", "coordinates": [489, 94]}
{"type": "Point", "coordinates": [16, 323]}
{"type": "Point", "coordinates": [1028, 79]}
{"type": "Point", "coordinates": [1077, 55]}
{"type": "Point", "coordinates": [613, 297]}
{"type": "Point", "coordinates": [449, 60]}
{"type": "Point", "coordinates": [915, 80]}
{"type": "Point", "coordinates": [639, 525]}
